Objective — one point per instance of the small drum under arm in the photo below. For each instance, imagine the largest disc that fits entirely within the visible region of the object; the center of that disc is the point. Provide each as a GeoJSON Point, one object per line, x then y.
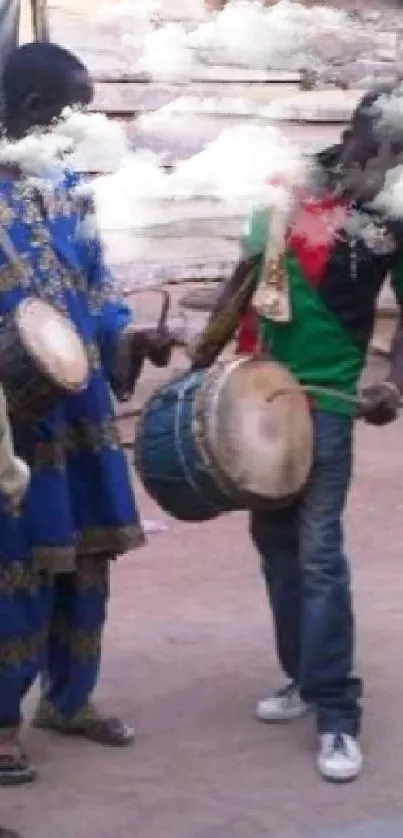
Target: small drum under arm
{"type": "Point", "coordinates": [42, 359]}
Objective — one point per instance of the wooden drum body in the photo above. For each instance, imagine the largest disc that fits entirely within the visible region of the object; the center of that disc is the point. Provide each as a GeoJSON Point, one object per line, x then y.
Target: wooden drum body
{"type": "Point", "coordinates": [238, 436]}
{"type": "Point", "coordinates": [42, 359]}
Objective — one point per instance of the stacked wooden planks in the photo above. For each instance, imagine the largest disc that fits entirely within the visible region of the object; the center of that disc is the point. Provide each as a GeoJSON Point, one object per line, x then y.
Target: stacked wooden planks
{"type": "Point", "coordinates": [200, 245]}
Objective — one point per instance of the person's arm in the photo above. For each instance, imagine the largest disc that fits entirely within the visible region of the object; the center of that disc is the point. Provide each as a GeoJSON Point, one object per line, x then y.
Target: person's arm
{"type": "Point", "coordinates": [382, 401]}
{"type": "Point", "coordinates": [123, 345]}
{"type": "Point", "coordinates": [14, 473]}
{"type": "Point", "coordinates": [235, 295]}
{"type": "Point", "coordinates": [396, 365]}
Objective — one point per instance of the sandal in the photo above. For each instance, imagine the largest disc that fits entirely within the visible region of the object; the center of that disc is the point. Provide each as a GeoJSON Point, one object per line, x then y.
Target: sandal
{"type": "Point", "coordinates": [109, 731]}
{"type": "Point", "coordinates": [105, 730]}
{"type": "Point", "coordinates": [15, 770]}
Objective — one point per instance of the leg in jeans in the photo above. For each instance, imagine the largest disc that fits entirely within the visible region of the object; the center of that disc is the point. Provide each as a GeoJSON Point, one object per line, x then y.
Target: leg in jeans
{"type": "Point", "coordinates": [327, 633]}
{"type": "Point", "coordinates": [307, 575]}
{"type": "Point", "coordinates": [276, 537]}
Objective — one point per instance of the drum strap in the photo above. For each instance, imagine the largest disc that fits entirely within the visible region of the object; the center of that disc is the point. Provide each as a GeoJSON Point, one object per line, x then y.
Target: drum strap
{"type": "Point", "coordinates": [272, 296]}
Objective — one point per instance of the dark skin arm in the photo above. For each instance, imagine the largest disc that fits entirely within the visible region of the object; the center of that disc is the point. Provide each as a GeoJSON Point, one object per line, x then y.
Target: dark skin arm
{"type": "Point", "coordinates": [383, 400]}
{"type": "Point", "coordinates": [396, 368]}
{"type": "Point", "coordinates": [365, 170]}
{"type": "Point", "coordinates": [136, 346]}
{"type": "Point", "coordinates": [224, 319]}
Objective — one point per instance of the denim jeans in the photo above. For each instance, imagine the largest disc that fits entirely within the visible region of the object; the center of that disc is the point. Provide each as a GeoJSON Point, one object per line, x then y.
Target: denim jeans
{"type": "Point", "coordinates": [308, 581]}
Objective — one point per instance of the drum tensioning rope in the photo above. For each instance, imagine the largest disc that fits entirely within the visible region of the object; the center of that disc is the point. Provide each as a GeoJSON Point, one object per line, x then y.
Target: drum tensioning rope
{"type": "Point", "coordinates": [317, 390]}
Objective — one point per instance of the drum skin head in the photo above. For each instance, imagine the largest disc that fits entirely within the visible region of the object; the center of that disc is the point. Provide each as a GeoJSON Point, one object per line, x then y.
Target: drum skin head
{"type": "Point", "coordinates": [53, 342]}
{"type": "Point", "coordinates": [260, 428]}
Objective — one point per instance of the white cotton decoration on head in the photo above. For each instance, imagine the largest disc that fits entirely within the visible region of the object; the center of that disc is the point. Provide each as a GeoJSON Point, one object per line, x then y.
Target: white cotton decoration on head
{"type": "Point", "coordinates": [234, 173]}
{"type": "Point", "coordinates": [78, 140]}
{"type": "Point", "coordinates": [125, 200]}
{"type": "Point", "coordinates": [390, 199]}
{"type": "Point", "coordinates": [98, 144]}
{"type": "Point", "coordinates": [388, 114]}
{"type": "Point", "coordinates": [39, 155]}
{"type": "Point", "coordinates": [239, 167]}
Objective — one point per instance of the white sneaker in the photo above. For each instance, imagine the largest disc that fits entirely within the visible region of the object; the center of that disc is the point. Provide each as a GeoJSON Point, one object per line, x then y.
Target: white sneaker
{"type": "Point", "coordinates": [283, 706]}
{"type": "Point", "coordinates": [339, 758]}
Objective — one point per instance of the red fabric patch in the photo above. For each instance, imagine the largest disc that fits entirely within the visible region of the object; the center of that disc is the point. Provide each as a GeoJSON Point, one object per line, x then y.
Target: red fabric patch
{"type": "Point", "coordinates": [312, 235]}
{"type": "Point", "coordinates": [248, 338]}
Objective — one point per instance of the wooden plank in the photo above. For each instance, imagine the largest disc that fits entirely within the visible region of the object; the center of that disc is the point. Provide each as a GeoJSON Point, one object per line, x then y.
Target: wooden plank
{"type": "Point", "coordinates": [184, 251]}
{"type": "Point", "coordinates": [181, 137]}
{"type": "Point", "coordinates": [156, 233]}
{"type": "Point", "coordinates": [216, 74]}
{"type": "Point", "coordinates": [316, 106]}
{"type": "Point", "coordinates": [137, 97]}
{"type": "Point", "coordinates": [188, 136]}
{"type": "Point", "coordinates": [135, 274]}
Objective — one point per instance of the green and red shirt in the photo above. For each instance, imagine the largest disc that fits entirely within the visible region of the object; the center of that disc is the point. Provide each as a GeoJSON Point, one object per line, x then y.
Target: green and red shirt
{"type": "Point", "coordinates": [336, 270]}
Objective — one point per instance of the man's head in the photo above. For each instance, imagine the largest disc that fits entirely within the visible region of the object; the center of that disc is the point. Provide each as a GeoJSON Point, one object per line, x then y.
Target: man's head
{"type": "Point", "coordinates": [373, 144]}
{"type": "Point", "coordinates": [40, 80]}
{"type": "Point", "coordinates": [374, 123]}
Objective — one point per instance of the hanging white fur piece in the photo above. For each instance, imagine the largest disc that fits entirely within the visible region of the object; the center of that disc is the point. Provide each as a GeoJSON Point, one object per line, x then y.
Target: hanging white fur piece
{"type": "Point", "coordinates": [272, 296]}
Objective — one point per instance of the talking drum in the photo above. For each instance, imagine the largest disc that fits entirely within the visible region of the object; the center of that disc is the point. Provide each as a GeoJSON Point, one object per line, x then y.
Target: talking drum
{"type": "Point", "coordinates": [238, 436]}
{"type": "Point", "coordinates": [42, 359]}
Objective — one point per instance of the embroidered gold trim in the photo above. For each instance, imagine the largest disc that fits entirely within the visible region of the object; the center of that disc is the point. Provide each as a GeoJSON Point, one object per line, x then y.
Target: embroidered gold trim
{"type": "Point", "coordinates": [114, 540]}
{"type": "Point", "coordinates": [93, 355]}
{"type": "Point", "coordinates": [8, 278]}
{"type": "Point", "coordinates": [19, 651]}
{"type": "Point", "coordinates": [73, 440]}
{"type": "Point", "coordinates": [54, 559]}
{"type": "Point", "coordinates": [92, 572]}
{"type": "Point", "coordinates": [48, 715]}
{"type": "Point", "coordinates": [90, 542]}
{"type": "Point", "coordinates": [83, 645]}
{"type": "Point", "coordinates": [17, 577]}
{"type": "Point", "coordinates": [7, 212]}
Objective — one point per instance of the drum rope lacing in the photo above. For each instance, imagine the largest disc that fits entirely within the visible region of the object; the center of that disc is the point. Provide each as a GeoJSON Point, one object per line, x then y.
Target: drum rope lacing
{"type": "Point", "coordinates": [318, 390]}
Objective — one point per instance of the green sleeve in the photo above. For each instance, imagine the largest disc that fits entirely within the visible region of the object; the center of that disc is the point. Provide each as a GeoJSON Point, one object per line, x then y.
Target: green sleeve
{"type": "Point", "coordinates": [254, 235]}
{"type": "Point", "coordinates": [396, 280]}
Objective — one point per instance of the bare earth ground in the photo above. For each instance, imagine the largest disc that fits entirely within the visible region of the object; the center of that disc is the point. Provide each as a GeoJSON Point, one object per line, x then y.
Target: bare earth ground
{"type": "Point", "coordinates": [189, 651]}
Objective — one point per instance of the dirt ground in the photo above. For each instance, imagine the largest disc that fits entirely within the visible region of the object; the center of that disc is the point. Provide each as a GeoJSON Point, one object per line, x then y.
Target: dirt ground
{"type": "Point", "coordinates": [188, 653]}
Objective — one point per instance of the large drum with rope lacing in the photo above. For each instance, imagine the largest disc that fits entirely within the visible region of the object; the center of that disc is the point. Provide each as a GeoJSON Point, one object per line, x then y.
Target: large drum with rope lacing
{"type": "Point", "coordinates": [237, 436]}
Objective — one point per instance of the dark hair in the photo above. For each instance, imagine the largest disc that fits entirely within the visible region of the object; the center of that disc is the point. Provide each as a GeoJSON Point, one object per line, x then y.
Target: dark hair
{"type": "Point", "coordinates": [44, 69]}
{"type": "Point", "coordinates": [367, 117]}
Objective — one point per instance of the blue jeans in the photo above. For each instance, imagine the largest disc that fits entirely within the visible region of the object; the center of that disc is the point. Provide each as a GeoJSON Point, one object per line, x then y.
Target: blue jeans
{"type": "Point", "coordinates": [308, 581]}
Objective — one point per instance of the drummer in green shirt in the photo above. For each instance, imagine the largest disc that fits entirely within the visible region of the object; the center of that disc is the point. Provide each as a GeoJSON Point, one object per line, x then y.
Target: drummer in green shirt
{"type": "Point", "coordinates": [319, 326]}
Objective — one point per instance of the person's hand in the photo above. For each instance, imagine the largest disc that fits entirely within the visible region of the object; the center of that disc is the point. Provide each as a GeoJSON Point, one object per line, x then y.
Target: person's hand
{"type": "Point", "coordinates": [158, 346]}
{"type": "Point", "coordinates": [380, 403]}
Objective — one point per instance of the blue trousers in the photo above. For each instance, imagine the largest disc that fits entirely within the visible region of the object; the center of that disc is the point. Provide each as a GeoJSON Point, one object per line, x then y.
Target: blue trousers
{"type": "Point", "coordinates": [308, 581]}
{"type": "Point", "coordinates": [52, 626]}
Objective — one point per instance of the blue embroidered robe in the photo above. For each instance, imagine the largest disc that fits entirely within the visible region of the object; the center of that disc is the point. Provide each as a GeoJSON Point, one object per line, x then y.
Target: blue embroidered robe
{"type": "Point", "coordinates": [80, 500]}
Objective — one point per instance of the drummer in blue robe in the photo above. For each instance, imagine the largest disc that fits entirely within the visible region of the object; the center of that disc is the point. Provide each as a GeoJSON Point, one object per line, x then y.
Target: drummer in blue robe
{"type": "Point", "coordinates": [80, 510]}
